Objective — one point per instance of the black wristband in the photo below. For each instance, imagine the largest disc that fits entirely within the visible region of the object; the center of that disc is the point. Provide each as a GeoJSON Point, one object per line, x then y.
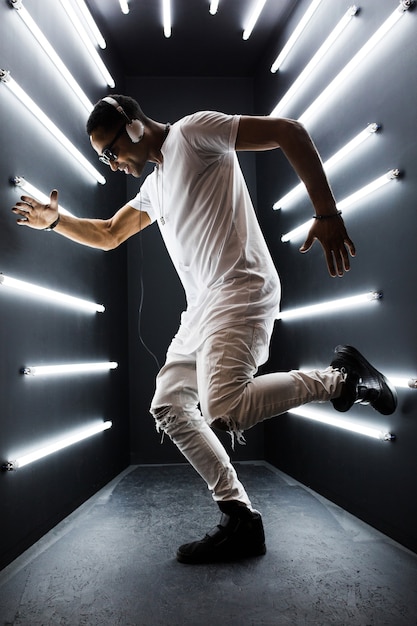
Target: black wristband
{"type": "Point", "coordinates": [52, 226]}
{"type": "Point", "coordinates": [326, 217]}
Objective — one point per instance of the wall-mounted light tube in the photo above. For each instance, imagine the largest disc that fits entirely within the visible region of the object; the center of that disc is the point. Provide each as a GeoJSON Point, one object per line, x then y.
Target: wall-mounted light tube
{"type": "Point", "coordinates": [253, 18]}
{"type": "Point", "coordinates": [68, 368]}
{"type": "Point", "coordinates": [34, 192]}
{"type": "Point", "coordinates": [347, 202]}
{"type": "Point", "coordinates": [91, 24]}
{"type": "Point", "coordinates": [88, 43]}
{"type": "Point", "coordinates": [56, 60]}
{"type": "Point", "coordinates": [402, 382]}
{"type": "Point", "coordinates": [59, 444]}
{"type": "Point", "coordinates": [124, 6]}
{"type": "Point", "coordinates": [338, 422]}
{"type": "Point", "coordinates": [166, 18]}
{"type": "Point", "coordinates": [7, 80]}
{"type": "Point", "coordinates": [295, 35]}
{"type": "Point", "coordinates": [214, 5]}
{"type": "Point", "coordinates": [331, 306]}
{"type": "Point", "coordinates": [360, 56]}
{"type": "Point", "coordinates": [321, 52]}
{"type": "Point", "coordinates": [370, 130]}
{"type": "Point", "coordinates": [50, 294]}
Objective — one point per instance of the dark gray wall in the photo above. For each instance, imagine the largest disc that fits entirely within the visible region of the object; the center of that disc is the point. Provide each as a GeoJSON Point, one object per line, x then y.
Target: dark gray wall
{"type": "Point", "coordinates": [32, 411]}
{"type": "Point", "coordinates": [168, 99]}
{"type": "Point", "coordinates": [376, 481]}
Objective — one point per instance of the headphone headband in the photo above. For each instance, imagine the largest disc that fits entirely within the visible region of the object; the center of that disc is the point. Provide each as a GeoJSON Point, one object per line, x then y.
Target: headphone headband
{"type": "Point", "coordinates": [134, 128]}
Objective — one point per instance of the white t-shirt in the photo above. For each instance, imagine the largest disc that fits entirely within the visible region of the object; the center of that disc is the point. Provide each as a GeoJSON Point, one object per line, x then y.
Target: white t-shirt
{"type": "Point", "coordinates": [202, 206]}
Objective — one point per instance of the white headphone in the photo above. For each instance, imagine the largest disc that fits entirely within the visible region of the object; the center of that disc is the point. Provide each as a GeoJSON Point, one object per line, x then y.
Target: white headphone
{"type": "Point", "coordinates": [134, 128]}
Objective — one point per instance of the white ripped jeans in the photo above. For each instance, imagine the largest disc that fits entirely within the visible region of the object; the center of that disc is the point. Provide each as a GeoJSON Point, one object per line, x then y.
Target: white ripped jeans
{"type": "Point", "coordinates": [219, 378]}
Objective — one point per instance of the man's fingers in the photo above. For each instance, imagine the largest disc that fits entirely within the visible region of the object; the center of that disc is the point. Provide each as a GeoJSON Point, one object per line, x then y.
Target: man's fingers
{"type": "Point", "coordinates": [53, 199]}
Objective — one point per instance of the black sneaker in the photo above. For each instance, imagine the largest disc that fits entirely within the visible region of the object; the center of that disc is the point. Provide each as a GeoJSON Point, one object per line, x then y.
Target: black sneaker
{"type": "Point", "coordinates": [239, 535]}
{"type": "Point", "coordinates": [364, 384]}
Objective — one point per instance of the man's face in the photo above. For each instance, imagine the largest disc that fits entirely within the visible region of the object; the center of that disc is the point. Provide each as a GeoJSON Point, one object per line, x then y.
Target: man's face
{"type": "Point", "coordinates": [122, 154]}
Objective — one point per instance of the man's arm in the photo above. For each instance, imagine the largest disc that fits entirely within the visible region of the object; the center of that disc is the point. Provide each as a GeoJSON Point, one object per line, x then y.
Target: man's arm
{"type": "Point", "coordinates": [267, 133]}
{"type": "Point", "coordinates": [103, 234]}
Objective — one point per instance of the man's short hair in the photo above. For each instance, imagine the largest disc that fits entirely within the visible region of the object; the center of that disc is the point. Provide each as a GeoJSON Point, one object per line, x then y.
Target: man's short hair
{"type": "Point", "coordinates": [106, 116]}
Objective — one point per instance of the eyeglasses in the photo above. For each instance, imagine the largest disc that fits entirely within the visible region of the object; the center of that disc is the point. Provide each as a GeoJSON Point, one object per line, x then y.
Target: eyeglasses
{"type": "Point", "coordinates": [108, 156]}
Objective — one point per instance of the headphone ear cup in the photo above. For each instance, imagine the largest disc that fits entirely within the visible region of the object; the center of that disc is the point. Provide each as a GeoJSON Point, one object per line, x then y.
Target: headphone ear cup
{"type": "Point", "coordinates": [135, 130]}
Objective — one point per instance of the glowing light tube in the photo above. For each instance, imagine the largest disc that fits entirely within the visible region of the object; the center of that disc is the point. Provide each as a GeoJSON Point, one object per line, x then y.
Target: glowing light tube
{"type": "Point", "coordinates": [360, 56]}
{"type": "Point", "coordinates": [124, 6]}
{"type": "Point", "coordinates": [166, 17]}
{"type": "Point", "coordinates": [337, 422]}
{"type": "Point", "coordinates": [253, 19]}
{"type": "Point", "coordinates": [92, 26]}
{"type": "Point", "coordinates": [295, 35]}
{"type": "Point", "coordinates": [402, 382]}
{"type": "Point", "coordinates": [347, 202]}
{"type": "Point", "coordinates": [7, 80]}
{"type": "Point", "coordinates": [214, 5]}
{"type": "Point", "coordinates": [49, 294]}
{"type": "Point", "coordinates": [59, 444]}
{"type": "Point", "coordinates": [330, 306]}
{"type": "Point", "coordinates": [370, 130]}
{"type": "Point", "coordinates": [321, 52]}
{"type": "Point", "coordinates": [33, 191]}
{"type": "Point", "coordinates": [88, 44]}
{"type": "Point", "coordinates": [68, 368]}
{"type": "Point", "coordinates": [56, 60]}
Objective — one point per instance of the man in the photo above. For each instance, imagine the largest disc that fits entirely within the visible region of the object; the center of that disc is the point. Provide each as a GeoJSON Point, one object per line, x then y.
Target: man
{"type": "Point", "coordinates": [199, 199]}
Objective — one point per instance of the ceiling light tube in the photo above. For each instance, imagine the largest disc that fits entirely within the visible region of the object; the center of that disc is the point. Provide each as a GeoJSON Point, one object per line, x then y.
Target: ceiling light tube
{"type": "Point", "coordinates": [124, 6]}
{"type": "Point", "coordinates": [166, 17]}
{"type": "Point", "coordinates": [87, 43]}
{"type": "Point", "coordinates": [34, 192]}
{"type": "Point", "coordinates": [68, 368]}
{"type": "Point", "coordinates": [321, 52]}
{"type": "Point", "coordinates": [94, 29]}
{"type": "Point", "coordinates": [253, 19]}
{"type": "Point", "coordinates": [214, 5]}
{"type": "Point", "coordinates": [295, 35]}
{"type": "Point", "coordinates": [370, 130]}
{"type": "Point", "coordinates": [330, 306]}
{"type": "Point", "coordinates": [7, 80]}
{"type": "Point", "coordinates": [347, 202]}
{"type": "Point", "coordinates": [59, 444]}
{"type": "Point", "coordinates": [340, 79]}
{"type": "Point", "coordinates": [338, 422]}
{"type": "Point", "coordinates": [50, 294]}
{"type": "Point", "coordinates": [44, 43]}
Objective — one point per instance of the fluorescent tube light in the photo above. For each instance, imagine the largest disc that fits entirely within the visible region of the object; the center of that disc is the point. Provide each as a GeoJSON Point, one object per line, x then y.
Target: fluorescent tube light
{"type": "Point", "coordinates": [253, 19]}
{"type": "Point", "coordinates": [33, 191]}
{"type": "Point", "coordinates": [59, 444]}
{"type": "Point", "coordinates": [360, 56]}
{"type": "Point", "coordinates": [403, 382]}
{"type": "Point", "coordinates": [124, 6]}
{"type": "Point", "coordinates": [324, 418]}
{"type": "Point", "coordinates": [166, 17]}
{"type": "Point", "coordinates": [68, 368]}
{"type": "Point", "coordinates": [347, 202]}
{"type": "Point", "coordinates": [49, 294]}
{"type": "Point", "coordinates": [94, 29]}
{"type": "Point", "coordinates": [321, 52]}
{"type": "Point", "coordinates": [330, 306]}
{"type": "Point", "coordinates": [214, 5]}
{"type": "Point", "coordinates": [7, 80]}
{"type": "Point", "coordinates": [295, 35]}
{"type": "Point", "coordinates": [370, 130]}
{"type": "Point", "coordinates": [87, 43]}
{"type": "Point", "coordinates": [56, 60]}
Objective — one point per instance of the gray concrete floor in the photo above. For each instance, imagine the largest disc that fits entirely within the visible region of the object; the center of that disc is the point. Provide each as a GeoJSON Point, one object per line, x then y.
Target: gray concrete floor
{"type": "Point", "coordinates": [112, 562]}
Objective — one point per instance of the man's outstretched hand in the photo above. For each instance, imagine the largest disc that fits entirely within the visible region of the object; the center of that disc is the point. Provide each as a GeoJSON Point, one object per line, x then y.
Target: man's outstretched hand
{"type": "Point", "coordinates": [335, 241]}
{"type": "Point", "coordinates": [35, 214]}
